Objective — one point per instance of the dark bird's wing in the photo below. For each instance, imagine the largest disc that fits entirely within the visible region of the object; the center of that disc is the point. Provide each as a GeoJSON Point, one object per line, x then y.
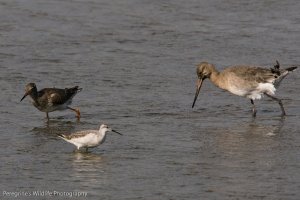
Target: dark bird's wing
{"type": "Point", "coordinates": [57, 96]}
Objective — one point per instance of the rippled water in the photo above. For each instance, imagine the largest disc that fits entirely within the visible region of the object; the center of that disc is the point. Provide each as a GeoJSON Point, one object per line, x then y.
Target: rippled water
{"type": "Point", "coordinates": [135, 61]}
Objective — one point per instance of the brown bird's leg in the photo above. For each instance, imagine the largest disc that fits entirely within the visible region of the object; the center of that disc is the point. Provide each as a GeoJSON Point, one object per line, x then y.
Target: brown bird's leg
{"type": "Point", "coordinates": [47, 116]}
{"type": "Point", "coordinates": [253, 108]}
{"type": "Point", "coordinates": [280, 103]}
{"type": "Point", "coordinates": [75, 110]}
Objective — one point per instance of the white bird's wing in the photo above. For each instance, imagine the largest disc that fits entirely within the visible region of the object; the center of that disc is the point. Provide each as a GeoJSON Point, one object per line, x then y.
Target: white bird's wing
{"type": "Point", "coordinates": [80, 134]}
{"type": "Point", "coordinates": [85, 140]}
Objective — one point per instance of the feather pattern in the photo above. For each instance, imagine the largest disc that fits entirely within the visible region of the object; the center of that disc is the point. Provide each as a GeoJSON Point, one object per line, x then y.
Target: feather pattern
{"type": "Point", "coordinates": [51, 99]}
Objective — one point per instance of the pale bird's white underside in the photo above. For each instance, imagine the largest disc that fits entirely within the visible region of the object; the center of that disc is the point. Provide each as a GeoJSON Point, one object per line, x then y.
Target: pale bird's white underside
{"type": "Point", "coordinates": [90, 139]}
{"type": "Point", "coordinates": [255, 93]}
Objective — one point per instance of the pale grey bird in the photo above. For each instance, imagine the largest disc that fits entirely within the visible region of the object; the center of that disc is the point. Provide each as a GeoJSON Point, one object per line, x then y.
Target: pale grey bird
{"type": "Point", "coordinates": [88, 138]}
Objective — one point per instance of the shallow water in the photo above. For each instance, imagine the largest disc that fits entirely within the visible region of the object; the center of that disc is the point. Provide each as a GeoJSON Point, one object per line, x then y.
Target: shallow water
{"type": "Point", "coordinates": [135, 61]}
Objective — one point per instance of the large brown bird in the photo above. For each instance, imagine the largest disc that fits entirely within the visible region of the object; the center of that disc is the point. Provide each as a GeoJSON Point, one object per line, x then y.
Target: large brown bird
{"type": "Point", "coordinates": [242, 80]}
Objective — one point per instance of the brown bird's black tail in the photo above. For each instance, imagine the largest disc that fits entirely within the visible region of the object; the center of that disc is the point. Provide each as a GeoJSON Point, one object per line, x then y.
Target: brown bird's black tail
{"type": "Point", "coordinates": [276, 69]}
{"type": "Point", "coordinates": [280, 73]}
{"type": "Point", "coordinates": [290, 69]}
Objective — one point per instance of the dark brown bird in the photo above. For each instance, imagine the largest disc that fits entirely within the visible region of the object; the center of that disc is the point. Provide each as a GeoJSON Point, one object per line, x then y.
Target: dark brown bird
{"type": "Point", "coordinates": [52, 99]}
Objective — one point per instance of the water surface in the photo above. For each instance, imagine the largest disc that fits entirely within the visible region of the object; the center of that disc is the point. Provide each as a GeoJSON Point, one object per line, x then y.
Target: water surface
{"type": "Point", "coordinates": [135, 61]}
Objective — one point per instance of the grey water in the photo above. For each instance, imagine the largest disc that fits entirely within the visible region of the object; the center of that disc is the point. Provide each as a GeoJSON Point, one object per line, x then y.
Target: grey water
{"type": "Point", "coordinates": [135, 60]}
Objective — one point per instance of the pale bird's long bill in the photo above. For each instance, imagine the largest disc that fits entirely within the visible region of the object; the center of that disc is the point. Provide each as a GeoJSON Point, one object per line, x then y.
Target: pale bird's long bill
{"type": "Point", "coordinates": [116, 132]}
{"type": "Point", "coordinates": [25, 95]}
{"type": "Point", "coordinates": [199, 84]}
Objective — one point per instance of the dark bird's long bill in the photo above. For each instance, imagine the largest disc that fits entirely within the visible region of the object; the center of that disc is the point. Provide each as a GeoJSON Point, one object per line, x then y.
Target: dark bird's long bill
{"type": "Point", "coordinates": [25, 95]}
{"type": "Point", "coordinates": [116, 132]}
{"type": "Point", "coordinates": [199, 84]}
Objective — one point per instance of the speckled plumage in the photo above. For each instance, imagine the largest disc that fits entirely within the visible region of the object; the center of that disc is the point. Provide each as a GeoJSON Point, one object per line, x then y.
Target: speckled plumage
{"type": "Point", "coordinates": [51, 99]}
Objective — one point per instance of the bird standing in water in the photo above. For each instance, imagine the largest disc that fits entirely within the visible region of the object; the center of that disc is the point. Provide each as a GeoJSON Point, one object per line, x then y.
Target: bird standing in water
{"type": "Point", "coordinates": [88, 138]}
{"type": "Point", "coordinates": [247, 81]}
{"type": "Point", "coordinates": [52, 99]}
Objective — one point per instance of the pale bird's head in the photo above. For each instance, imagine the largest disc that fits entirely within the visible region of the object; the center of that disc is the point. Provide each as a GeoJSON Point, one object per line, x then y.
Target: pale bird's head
{"type": "Point", "coordinates": [204, 70]}
{"type": "Point", "coordinates": [105, 128]}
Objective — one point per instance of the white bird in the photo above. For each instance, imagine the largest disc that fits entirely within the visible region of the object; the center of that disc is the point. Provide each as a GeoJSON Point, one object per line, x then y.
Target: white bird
{"type": "Point", "coordinates": [88, 138]}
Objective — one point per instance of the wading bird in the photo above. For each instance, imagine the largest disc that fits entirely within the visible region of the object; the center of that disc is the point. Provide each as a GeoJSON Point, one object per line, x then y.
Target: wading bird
{"type": "Point", "coordinates": [52, 99]}
{"type": "Point", "coordinates": [88, 138]}
{"type": "Point", "coordinates": [247, 81]}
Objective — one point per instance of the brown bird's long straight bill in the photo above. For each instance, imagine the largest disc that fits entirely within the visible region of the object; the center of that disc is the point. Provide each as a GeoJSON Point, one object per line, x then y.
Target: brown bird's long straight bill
{"type": "Point", "coordinates": [199, 84]}
{"type": "Point", "coordinates": [25, 95]}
